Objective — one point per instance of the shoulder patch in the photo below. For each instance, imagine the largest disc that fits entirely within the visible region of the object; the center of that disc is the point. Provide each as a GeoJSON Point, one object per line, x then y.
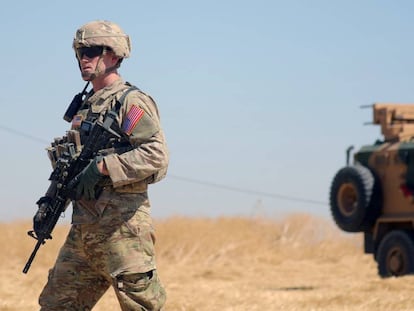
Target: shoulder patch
{"type": "Point", "coordinates": [132, 118]}
{"type": "Point", "coordinates": [76, 121]}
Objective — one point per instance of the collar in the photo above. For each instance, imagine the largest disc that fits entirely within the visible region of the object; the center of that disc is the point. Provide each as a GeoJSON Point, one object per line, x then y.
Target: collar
{"type": "Point", "coordinates": [108, 91]}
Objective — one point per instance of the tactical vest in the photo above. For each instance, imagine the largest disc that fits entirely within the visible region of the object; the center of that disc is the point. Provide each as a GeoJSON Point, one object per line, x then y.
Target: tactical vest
{"type": "Point", "coordinates": [86, 116]}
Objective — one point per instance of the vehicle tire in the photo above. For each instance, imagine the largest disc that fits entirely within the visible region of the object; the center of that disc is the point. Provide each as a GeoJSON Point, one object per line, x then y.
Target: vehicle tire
{"type": "Point", "coordinates": [354, 198]}
{"type": "Point", "coordinates": [395, 254]}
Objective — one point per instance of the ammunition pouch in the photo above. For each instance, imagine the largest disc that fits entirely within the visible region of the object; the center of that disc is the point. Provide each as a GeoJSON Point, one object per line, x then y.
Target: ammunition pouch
{"type": "Point", "coordinates": [70, 143]}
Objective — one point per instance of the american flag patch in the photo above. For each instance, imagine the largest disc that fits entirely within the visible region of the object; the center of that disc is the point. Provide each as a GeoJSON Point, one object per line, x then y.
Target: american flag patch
{"type": "Point", "coordinates": [132, 118]}
{"type": "Point", "coordinates": [76, 121]}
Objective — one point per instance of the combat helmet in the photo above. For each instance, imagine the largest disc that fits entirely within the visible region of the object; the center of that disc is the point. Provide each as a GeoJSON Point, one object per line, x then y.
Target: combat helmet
{"type": "Point", "coordinates": [103, 33]}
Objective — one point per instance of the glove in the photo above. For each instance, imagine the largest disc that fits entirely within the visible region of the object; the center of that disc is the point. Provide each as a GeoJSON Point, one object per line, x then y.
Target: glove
{"type": "Point", "coordinates": [88, 179]}
{"type": "Point", "coordinates": [45, 206]}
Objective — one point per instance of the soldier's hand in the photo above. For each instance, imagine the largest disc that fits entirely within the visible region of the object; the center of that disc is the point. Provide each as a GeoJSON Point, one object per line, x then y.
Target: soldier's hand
{"type": "Point", "coordinates": [89, 178]}
{"type": "Point", "coordinates": [45, 206]}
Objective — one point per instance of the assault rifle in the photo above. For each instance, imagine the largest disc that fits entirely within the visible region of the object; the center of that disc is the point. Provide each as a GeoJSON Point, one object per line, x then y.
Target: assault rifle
{"type": "Point", "coordinates": [66, 174]}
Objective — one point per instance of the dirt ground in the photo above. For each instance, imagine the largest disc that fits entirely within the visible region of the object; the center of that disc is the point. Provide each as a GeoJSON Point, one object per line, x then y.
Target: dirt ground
{"type": "Point", "coordinates": [297, 262]}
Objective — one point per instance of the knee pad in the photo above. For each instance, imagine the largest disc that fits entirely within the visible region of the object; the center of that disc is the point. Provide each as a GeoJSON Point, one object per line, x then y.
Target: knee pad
{"type": "Point", "coordinates": [140, 291]}
{"type": "Point", "coordinates": [135, 282]}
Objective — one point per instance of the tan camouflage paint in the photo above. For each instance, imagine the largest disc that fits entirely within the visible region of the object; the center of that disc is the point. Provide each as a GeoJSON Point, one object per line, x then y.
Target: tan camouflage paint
{"type": "Point", "coordinates": [386, 163]}
{"type": "Point", "coordinates": [397, 208]}
{"type": "Point", "coordinates": [391, 119]}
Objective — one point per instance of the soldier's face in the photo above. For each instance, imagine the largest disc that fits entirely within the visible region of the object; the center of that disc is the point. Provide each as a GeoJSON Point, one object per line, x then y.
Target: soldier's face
{"type": "Point", "coordinates": [94, 61]}
{"type": "Point", "coordinates": [88, 63]}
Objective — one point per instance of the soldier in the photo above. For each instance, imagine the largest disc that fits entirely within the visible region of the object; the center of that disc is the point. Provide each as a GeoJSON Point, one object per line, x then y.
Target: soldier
{"type": "Point", "coordinates": [111, 240]}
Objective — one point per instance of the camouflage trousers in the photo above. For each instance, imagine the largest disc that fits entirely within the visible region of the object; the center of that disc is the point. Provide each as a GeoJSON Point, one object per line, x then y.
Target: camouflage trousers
{"type": "Point", "coordinates": [117, 251]}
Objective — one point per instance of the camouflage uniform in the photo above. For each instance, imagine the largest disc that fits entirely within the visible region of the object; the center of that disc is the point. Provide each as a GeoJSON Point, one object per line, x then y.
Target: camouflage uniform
{"type": "Point", "coordinates": [111, 241]}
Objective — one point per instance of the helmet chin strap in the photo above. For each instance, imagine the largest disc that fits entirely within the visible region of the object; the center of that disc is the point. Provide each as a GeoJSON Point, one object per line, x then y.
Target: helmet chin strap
{"type": "Point", "coordinates": [97, 72]}
{"type": "Point", "coordinates": [111, 69]}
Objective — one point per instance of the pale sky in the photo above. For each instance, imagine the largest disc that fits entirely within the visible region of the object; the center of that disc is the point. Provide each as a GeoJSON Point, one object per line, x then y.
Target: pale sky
{"type": "Point", "coordinates": [262, 96]}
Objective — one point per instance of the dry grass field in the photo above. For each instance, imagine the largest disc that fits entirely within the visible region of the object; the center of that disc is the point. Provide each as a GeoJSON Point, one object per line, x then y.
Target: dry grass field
{"type": "Point", "coordinates": [298, 262]}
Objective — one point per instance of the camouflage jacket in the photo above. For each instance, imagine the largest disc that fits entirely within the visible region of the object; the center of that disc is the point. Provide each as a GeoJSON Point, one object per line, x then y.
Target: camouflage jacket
{"type": "Point", "coordinates": [138, 117]}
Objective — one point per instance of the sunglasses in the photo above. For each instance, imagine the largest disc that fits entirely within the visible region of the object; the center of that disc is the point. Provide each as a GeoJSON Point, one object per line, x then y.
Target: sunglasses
{"type": "Point", "coordinates": [91, 51]}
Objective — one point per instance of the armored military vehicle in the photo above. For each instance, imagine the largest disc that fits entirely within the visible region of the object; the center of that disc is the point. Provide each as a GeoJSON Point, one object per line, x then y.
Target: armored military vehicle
{"type": "Point", "coordinates": [375, 193]}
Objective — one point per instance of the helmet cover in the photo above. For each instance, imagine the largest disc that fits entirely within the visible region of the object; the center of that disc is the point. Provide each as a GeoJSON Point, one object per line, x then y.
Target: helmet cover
{"type": "Point", "coordinates": [103, 33]}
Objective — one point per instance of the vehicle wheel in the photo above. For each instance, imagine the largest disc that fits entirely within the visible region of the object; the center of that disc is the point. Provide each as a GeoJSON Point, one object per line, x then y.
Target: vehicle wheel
{"type": "Point", "coordinates": [395, 254]}
{"type": "Point", "coordinates": [352, 198]}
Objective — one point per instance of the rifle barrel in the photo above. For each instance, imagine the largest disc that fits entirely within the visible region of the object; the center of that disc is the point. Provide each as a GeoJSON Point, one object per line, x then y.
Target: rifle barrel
{"type": "Point", "coordinates": [32, 256]}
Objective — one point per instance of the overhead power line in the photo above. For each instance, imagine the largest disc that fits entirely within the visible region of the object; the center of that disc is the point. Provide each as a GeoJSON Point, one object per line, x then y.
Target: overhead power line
{"type": "Point", "coordinates": [22, 134]}
{"type": "Point", "coordinates": [247, 191]}
{"type": "Point", "coordinates": [192, 180]}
